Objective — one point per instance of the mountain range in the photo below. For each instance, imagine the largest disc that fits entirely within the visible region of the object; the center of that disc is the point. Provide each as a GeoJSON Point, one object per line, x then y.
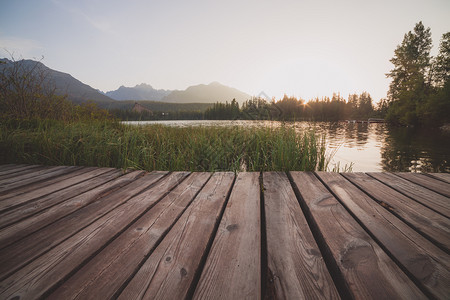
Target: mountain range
{"type": "Point", "coordinates": [211, 93]}
{"type": "Point", "coordinates": [78, 92]}
{"type": "Point", "coordinates": [141, 91]}
{"type": "Point", "coordinates": [202, 93]}
{"type": "Point", "coordinates": [64, 83]}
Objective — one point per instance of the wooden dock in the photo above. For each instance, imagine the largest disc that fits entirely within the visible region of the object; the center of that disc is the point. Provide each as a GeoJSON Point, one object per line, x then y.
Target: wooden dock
{"type": "Point", "coordinates": [99, 233]}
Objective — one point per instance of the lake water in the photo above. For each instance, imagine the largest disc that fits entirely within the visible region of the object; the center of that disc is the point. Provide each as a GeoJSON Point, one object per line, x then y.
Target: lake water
{"type": "Point", "coordinates": [366, 147]}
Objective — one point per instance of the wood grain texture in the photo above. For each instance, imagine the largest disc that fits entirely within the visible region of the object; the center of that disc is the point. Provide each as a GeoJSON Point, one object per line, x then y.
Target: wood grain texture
{"type": "Point", "coordinates": [428, 182]}
{"type": "Point", "coordinates": [20, 253]}
{"type": "Point", "coordinates": [4, 169]}
{"type": "Point", "coordinates": [72, 199]}
{"type": "Point", "coordinates": [427, 263]}
{"type": "Point", "coordinates": [30, 178]}
{"type": "Point", "coordinates": [27, 174]}
{"type": "Point", "coordinates": [426, 221]}
{"type": "Point", "coordinates": [296, 266]}
{"type": "Point", "coordinates": [19, 170]}
{"type": "Point", "coordinates": [441, 176]}
{"type": "Point", "coordinates": [11, 202]}
{"type": "Point", "coordinates": [367, 270]}
{"type": "Point", "coordinates": [34, 188]}
{"type": "Point", "coordinates": [23, 206]}
{"type": "Point", "coordinates": [433, 200]}
{"type": "Point", "coordinates": [233, 266]}
{"type": "Point", "coordinates": [93, 233]}
{"type": "Point", "coordinates": [42, 274]}
{"type": "Point", "coordinates": [169, 272]}
{"type": "Point", "coordinates": [115, 264]}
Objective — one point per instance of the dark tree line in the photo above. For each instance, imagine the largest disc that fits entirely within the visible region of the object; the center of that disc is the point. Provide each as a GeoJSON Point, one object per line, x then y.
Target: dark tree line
{"type": "Point", "coordinates": [292, 109]}
{"type": "Point", "coordinates": [130, 115]}
{"type": "Point", "coordinates": [223, 111]}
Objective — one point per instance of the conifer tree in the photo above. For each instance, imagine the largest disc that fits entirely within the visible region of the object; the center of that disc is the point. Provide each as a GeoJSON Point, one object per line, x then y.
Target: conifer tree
{"type": "Point", "coordinates": [442, 62]}
{"type": "Point", "coordinates": [410, 84]}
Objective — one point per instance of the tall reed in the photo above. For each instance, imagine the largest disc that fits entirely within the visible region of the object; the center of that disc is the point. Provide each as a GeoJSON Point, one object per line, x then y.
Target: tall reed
{"type": "Point", "coordinates": [156, 147]}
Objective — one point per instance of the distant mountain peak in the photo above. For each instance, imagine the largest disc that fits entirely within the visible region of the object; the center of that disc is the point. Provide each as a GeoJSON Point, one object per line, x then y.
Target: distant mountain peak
{"type": "Point", "coordinates": [64, 83]}
{"type": "Point", "coordinates": [211, 93]}
{"type": "Point", "coordinates": [142, 91]}
{"type": "Point", "coordinates": [143, 85]}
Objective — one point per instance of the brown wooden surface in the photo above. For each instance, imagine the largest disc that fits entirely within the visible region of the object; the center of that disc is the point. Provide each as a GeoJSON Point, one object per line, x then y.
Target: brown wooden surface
{"type": "Point", "coordinates": [441, 176]}
{"type": "Point", "coordinates": [30, 178]}
{"type": "Point", "coordinates": [8, 167]}
{"type": "Point", "coordinates": [169, 272]}
{"type": "Point", "coordinates": [434, 226]}
{"type": "Point", "coordinates": [428, 182]}
{"type": "Point", "coordinates": [433, 200]}
{"type": "Point", "coordinates": [19, 170]}
{"type": "Point", "coordinates": [23, 176]}
{"type": "Point", "coordinates": [353, 250]}
{"type": "Point", "coordinates": [428, 264]}
{"type": "Point", "coordinates": [45, 272]}
{"type": "Point", "coordinates": [296, 268]}
{"type": "Point", "coordinates": [33, 201]}
{"type": "Point", "coordinates": [99, 233]}
{"type": "Point", "coordinates": [30, 247]}
{"type": "Point", "coordinates": [108, 271]}
{"type": "Point", "coordinates": [233, 269]}
{"type": "Point", "coordinates": [72, 199]}
{"type": "Point", "coordinates": [42, 185]}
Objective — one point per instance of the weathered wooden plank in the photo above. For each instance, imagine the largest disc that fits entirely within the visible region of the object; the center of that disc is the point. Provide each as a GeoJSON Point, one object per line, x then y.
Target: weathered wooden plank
{"type": "Point", "coordinates": [39, 189]}
{"type": "Point", "coordinates": [26, 174]}
{"type": "Point", "coordinates": [367, 271]}
{"type": "Point", "coordinates": [233, 266]}
{"type": "Point", "coordinates": [44, 273]}
{"type": "Point", "coordinates": [35, 177]}
{"type": "Point", "coordinates": [84, 250]}
{"type": "Point", "coordinates": [19, 209]}
{"type": "Point", "coordinates": [429, 265]}
{"type": "Point", "coordinates": [170, 270]}
{"type": "Point", "coordinates": [18, 170]}
{"type": "Point", "coordinates": [435, 226]}
{"type": "Point", "coordinates": [295, 265]}
{"type": "Point", "coordinates": [78, 197]}
{"type": "Point", "coordinates": [111, 268]}
{"type": "Point", "coordinates": [441, 176]}
{"type": "Point", "coordinates": [36, 195]}
{"type": "Point", "coordinates": [20, 253]}
{"type": "Point", "coordinates": [428, 198]}
{"type": "Point", "coordinates": [430, 183]}
{"type": "Point", "coordinates": [7, 167]}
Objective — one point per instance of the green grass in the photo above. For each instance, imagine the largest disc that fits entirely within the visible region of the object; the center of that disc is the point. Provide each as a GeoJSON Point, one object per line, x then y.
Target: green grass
{"type": "Point", "coordinates": [156, 147]}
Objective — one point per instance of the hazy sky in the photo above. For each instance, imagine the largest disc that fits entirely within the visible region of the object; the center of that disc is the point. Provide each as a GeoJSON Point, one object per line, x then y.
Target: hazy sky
{"type": "Point", "coordinates": [301, 48]}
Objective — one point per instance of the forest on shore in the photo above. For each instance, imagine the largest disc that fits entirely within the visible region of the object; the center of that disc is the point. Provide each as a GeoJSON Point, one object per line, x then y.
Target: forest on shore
{"type": "Point", "coordinates": [419, 94]}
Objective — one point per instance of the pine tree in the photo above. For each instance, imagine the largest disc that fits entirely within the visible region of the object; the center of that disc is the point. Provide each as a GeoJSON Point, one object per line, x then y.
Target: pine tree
{"type": "Point", "coordinates": [442, 62]}
{"type": "Point", "coordinates": [436, 110]}
{"type": "Point", "coordinates": [410, 84]}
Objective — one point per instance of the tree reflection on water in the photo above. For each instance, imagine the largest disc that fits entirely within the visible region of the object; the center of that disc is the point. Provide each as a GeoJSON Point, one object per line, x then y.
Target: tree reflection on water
{"type": "Point", "coordinates": [408, 149]}
{"type": "Point", "coordinates": [379, 147]}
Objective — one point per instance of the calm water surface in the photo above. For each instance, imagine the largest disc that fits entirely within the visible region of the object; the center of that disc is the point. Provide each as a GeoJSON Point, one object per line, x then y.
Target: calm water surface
{"type": "Point", "coordinates": [365, 147]}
